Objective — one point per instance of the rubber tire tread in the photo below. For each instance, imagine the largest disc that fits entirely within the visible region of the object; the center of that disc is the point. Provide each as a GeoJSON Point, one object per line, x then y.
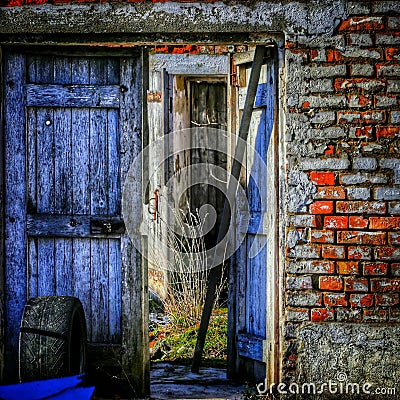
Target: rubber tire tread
{"type": "Point", "coordinates": [41, 355]}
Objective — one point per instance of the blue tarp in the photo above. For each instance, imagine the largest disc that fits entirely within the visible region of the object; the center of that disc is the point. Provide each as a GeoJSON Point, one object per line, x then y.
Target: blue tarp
{"type": "Point", "coordinates": [69, 388]}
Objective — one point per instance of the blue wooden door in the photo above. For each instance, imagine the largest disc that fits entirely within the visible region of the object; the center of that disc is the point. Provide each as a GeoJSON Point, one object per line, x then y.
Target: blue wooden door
{"type": "Point", "coordinates": [73, 126]}
{"type": "Point", "coordinates": [253, 258]}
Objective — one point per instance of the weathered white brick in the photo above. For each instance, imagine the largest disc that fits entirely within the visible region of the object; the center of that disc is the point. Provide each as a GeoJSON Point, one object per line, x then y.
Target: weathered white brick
{"type": "Point", "coordinates": [367, 163]}
{"type": "Point", "coordinates": [362, 70]}
{"type": "Point", "coordinates": [393, 86]}
{"type": "Point", "coordinates": [355, 52]}
{"type": "Point", "coordinates": [324, 118]}
{"type": "Point", "coordinates": [304, 251]}
{"type": "Point", "coordinates": [386, 101]}
{"type": "Point", "coordinates": [387, 194]}
{"type": "Point", "coordinates": [303, 221]}
{"type": "Point", "coordinates": [328, 72]}
{"type": "Point", "coordinates": [394, 164]}
{"type": "Point", "coordinates": [297, 316]}
{"type": "Point", "coordinates": [310, 267]}
{"type": "Point", "coordinates": [363, 177]}
{"type": "Point", "coordinates": [387, 39]}
{"type": "Point", "coordinates": [394, 207]}
{"type": "Point", "coordinates": [395, 117]}
{"type": "Point", "coordinates": [360, 39]}
{"type": "Point", "coordinates": [299, 299]}
{"type": "Point", "coordinates": [394, 23]}
{"type": "Point", "coordinates": [389, 70]}
{"type": "Point", "coordinates": [386, 6]}
{"type": "Point", "coordinates": [321, 86]}
{"type": "Point", "coordinates": [358, 8]}
{"type": "Point", "coordinates": [324, 164]}
{"type": "Point", "coordinates": [358, 193]}
{"type": "Point", "coordinates": [324, 102]}
{"type": "Point", "coordinates": [299, 282]}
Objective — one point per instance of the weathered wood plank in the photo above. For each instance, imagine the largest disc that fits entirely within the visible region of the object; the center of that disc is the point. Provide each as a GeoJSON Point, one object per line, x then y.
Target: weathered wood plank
{"type": "Point", "coordinates": [45, 69]}
{"type": "Point", "coordinates": [45, 161]}
{"type": "Point", "coordinates": [15, 202]}
{"type": "Point", "coordinates": [62, 161]}
{"type": "Point", "coordinates": [114, 182]}
{"type": "Point", "coordinates": [46, 267]}
{"type": "Point", "coordinates": [98, 162]}
{"type": "Point", "coordinates": [80, 161]}
{"type": "Point", "coordinates": [81, 184]}
{"type": "Point", "coordinates": [113, 71]}
{"type": "Point", "coordinates": [99, 291]}
{"type": "Point", "coordinates": [134, 311]}
{"type": "Point", "coordinates": [80, 70]}
{"type": "Point", "coordinates": [32, 268]}
{"type": "Point", "coordinates": [73, 96]}
{"type": "Point", "coordinates": [32, 160]}
{"type": "Point", "coordinates": [62, 70]}
{"type": "Point", "coordinates": [75, 226]}
{"type": "Point", "coordinates": [63, 267]}
{"type": "Point", "coordinates": [82, 284]}
{"type": "Point", "coordinates": [250, 346]}
{"type": "Point", "coordinates": [114, 288]}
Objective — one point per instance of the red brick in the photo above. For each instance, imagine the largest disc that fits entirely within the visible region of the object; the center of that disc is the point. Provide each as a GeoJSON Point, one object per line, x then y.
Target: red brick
{"type": "Point", "coordinates": [336, 222]}
{"type": "Point", "coordinates": [361, 207]}
{"type": "Point", "coordinates": [384, 223]}
{"type": "Point", "coordinates": [330, 283]}
{"type": "Point", "coordinates": [333, 252]}
{"type": "Point", "coordinates": [356, 284]}
{"type": "Point", "coordinates": [335, 300]}
{"type": "Point", "coordinates": [387, 299]}
{"type": "Point", "coordinates": [375, 268]}
{"type": "Point", "coordinates": [392, 54]}
{"type": "Point", "coordinates": [350, 237]}
{"type": "Point", "coordinates": [356, 222]}
{"type": "Point", "coordinates": [375, 315]}
{"type": "Point", "coordinates": [385, 285]}
{"type": "Point", "coordinates": [361, 300]}
{"type": "Point", "coordinates": [322, 314]}
{"type": "Point", "coordinates": [359, 253]}
{"type": "Point", "coordinates": [330, 149]}
{"type": "Point", "coordinates": [321, 207]}
{"type": "Point", "coordinates": [387, 131]}
{"type": "Point", "coordinates": [331, 193]}
{"type": "Point", "coordinates": [323, 178]}
{"type": "Point", "coordinates": [322, 236]}
{"type": "Point", "coordinates": [362, 132]}
{"type": "Point", "coordinates": [387, 253]}
{"type": "Point", "coordinates": [347, 267]}
{"type": "Point", "coordinates": [362, 24]}
{"type": "Point", "coordinates": [330, 55]}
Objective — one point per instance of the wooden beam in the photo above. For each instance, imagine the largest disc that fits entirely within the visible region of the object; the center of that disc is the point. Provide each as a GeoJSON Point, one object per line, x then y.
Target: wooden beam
{"type": "Point", "coordinates": [216, 272]}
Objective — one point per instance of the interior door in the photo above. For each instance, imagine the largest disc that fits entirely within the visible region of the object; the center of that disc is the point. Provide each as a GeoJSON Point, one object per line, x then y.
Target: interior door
{"type": "Point", "coordinates": [73, 126]}
{"type": "Point", "coordinates": [252, 258]}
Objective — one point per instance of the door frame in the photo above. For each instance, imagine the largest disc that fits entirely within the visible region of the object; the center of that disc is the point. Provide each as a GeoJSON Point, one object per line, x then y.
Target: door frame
{"type": "Point", "coordinates": [106, 42]}
{"type": "Point", "coordinates": [132, 354]}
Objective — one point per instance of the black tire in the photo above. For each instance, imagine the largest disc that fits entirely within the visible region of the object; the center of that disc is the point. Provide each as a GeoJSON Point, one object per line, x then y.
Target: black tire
{"type": "Point", "coordinates": [52, 341]}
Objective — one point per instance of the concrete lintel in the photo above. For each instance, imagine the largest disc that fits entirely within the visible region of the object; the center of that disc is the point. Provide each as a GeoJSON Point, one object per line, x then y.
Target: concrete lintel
{"type": "Point", "coordinates": [296, 17]}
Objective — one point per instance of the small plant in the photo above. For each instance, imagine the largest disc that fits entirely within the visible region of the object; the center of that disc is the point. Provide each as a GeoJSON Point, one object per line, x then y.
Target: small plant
{"type": "Point", "coordinates": [183, 255]}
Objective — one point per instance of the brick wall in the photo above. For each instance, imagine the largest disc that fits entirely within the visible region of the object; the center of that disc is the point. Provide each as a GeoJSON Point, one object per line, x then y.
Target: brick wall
{"type": "Point", "coordinates": [343, 253]}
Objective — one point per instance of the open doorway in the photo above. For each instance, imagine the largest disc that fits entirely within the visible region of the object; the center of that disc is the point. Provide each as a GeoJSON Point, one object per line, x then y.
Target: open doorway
{"type": "Point", "coordinates": [201, 92]}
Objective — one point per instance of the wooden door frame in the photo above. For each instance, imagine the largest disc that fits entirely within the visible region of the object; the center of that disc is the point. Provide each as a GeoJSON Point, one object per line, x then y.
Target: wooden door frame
{"type": "Point", "coordinates": [133, 114]}
{"type": "Point", "coordinates": [16, 36]}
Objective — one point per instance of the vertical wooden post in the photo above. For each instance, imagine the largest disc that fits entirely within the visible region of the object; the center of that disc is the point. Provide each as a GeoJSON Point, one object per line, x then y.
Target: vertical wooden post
{"type": "Point", "coordinates": [215, 273]}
